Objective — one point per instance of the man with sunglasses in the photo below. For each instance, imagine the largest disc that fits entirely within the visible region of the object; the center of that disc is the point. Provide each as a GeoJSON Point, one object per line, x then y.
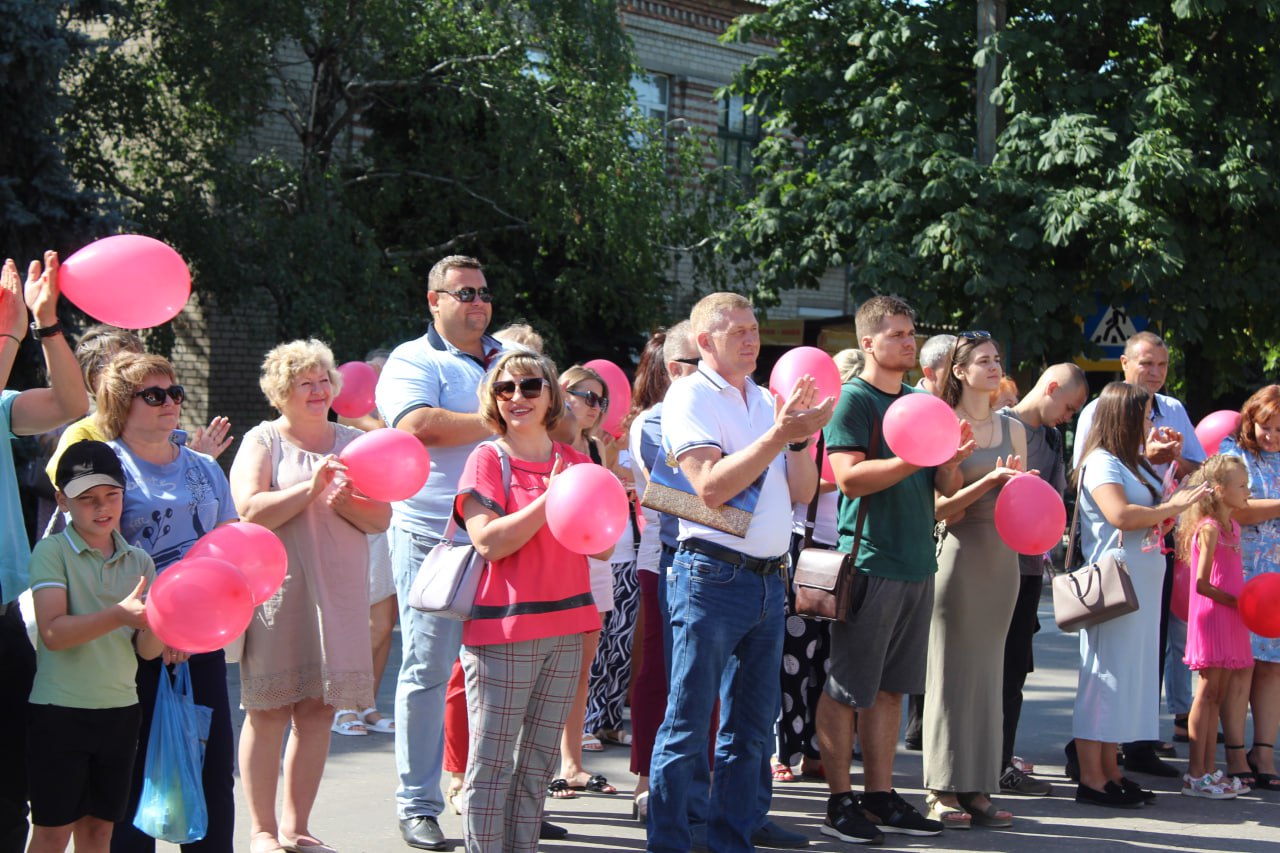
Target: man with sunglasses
{"type": "Point", "coordinates": [28, 412]}
{"type": "Point", "coordinates": [726, 594]}
{"type": "Point", "coordinates": [428, 388]}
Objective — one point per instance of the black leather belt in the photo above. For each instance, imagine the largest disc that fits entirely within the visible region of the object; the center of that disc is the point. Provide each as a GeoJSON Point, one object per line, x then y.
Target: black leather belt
{"type": "Point", "coordinates": [667, 549]}
{"type": "Point", "coordinates": [757, 565]}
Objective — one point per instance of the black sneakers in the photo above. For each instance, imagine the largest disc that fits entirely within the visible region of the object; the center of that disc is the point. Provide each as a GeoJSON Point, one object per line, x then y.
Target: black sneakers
{"type": "Point", "coordinates": [893, 814]}
{"type": "Point", "coordinates": [846, 821]}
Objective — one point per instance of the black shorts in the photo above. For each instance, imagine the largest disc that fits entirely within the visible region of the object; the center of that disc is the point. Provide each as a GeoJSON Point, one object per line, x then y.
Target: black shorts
{"type": "Point", "coordinates": [80, 762]}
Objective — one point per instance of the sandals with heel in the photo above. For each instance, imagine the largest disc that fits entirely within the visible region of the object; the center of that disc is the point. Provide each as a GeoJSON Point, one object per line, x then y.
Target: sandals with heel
{"type": "Point", "coordinates": [1262, 781]}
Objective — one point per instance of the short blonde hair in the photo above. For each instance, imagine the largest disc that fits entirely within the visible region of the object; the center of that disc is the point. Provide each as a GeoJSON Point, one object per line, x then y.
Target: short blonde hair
{"type": "Point", "coordinates": [520, 362]}
{"type": "Point", "coordinates": [849, 362]}
{"type": "Point", "coordinates": [99, 344]}
{"type": "Point", "coordinates": [121, 379]}
{"type": "Point", "coordinates": [283, 363]}
{"type": "Point", "coordinates": [521, 334]}
{"type": "Point", "coordinates": [710, 308]}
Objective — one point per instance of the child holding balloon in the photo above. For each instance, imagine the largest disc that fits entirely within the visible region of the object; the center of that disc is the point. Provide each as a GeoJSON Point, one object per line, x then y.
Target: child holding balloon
{"type": "Point", "coordinates": [1218, 644]}
{"type": "Point", "coordinates": [83, 714]}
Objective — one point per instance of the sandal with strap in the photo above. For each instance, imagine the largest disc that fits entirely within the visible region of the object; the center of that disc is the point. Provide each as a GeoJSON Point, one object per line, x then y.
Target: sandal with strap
{"type": "Point", "coordinates": [949, 816]}
{"type": "Point", "coordinates": [352, 728]}
{"type": "Point", "coordinates": [560, 789]}
{"type": "Point", "coordinates": [781, 772]}
{"type": "Point", "coordinates": [1246, 778]}
{"type": "Point", "coordinates": [1262, 781]}
{"type": "Point", "coordinates": [991, 816]}
{"type": "Point", "coordinates": [383, 725]}
{"type": "Point", "coordinates": [596, 784]}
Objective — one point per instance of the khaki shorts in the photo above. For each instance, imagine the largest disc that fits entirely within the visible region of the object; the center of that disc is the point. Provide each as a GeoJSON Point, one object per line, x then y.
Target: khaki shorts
{"type": "Point", "coordinates": [884, 646]}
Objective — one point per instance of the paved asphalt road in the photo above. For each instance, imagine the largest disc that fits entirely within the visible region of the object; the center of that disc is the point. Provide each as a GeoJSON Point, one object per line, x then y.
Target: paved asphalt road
{"type": "Point", "coordinates": [355, 811]}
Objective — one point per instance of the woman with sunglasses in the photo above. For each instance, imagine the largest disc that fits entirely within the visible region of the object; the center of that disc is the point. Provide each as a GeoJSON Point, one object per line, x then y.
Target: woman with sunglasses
{"type": "Point", "coordinates": [587, 397]}
{"type": "Point", "coordinates": [522, 648]}
{"type": "Point", "coordinates": [974, 594]}
{"type": "Point", "coordinates": [173, 496]}
{"type": "Point", "coordinates": [308, 651]}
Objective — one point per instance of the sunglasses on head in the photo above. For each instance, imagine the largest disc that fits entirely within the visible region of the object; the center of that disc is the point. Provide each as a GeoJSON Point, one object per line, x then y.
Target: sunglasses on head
{"type": "Point", "coordinates": [469, 294]}
{"type": "Point", "coordinates": [154, 396]}
{"type": "Point", "coordinates": [978, 335]}
{"type": "Point", "coordinates": [530, 388]}
{"type": "Point", "coordinates": [592, 399]}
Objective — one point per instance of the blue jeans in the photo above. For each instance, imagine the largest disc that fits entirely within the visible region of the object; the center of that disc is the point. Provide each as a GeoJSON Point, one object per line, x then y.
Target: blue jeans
{"type": "Point", "coordinates": [1177, 677]}
{"type": "Point", "coordinates": [430, 646]}
{"type": "Point", "coordinates": [726, 626]}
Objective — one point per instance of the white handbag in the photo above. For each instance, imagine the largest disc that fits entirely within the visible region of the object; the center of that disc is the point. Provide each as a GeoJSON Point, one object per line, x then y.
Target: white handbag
{"type": "Point", "coordinates": [449, 577]}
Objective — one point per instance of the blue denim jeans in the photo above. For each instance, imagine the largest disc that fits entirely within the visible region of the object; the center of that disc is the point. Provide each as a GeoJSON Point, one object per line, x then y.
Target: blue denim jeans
{"type": "Point", "coordinates": [726, 628]}
{"type": "Point", "coordinates": [1177, 677]}
{"type": "Point", "coordinates": [430, 645]}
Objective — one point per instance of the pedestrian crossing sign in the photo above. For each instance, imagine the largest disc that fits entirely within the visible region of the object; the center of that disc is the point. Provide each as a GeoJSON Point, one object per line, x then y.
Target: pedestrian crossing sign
{"type": "Point", "coordinates": [1108, 328]}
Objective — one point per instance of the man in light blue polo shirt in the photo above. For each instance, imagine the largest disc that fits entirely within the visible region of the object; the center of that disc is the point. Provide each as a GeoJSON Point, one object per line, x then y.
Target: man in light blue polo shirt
{"type": "Point", "coordinates": [428, 388]}
{"type": "Point", "coordinates": [27, 413]}
{"type": "Point", "coordinates": [1172, 442]}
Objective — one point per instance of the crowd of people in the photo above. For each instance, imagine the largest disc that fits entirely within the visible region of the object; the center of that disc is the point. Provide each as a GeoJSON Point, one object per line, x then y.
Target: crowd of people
{"type": "Point", "coordinates": [734, 693]}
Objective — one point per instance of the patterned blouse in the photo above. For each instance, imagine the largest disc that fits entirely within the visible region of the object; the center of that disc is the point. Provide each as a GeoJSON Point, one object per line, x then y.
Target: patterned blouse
{"type": "Point", "coordinates": [1260, 543]}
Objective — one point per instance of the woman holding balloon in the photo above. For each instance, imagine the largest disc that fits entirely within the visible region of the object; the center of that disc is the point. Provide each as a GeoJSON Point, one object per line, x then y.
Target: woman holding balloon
{"type": "Point", "coordinates": [173, 497]}
{"type": "Point", "coordinates": [522, 649]}
{"type": "Point", "coordinates": [1257, 442]}
{"type": "Point", "coordinates": [307, 650]}
{"type": "Point", "coordinates": [976, 587]}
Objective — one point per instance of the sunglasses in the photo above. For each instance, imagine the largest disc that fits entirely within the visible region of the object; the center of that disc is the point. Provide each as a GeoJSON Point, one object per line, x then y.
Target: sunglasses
{"type": "Point", "coordinates": [693, 361]}
{"type": "Point", "coordinates": [154, 396]}
{"type": "Point", "coordinates": [974, 336]}
{"type": "Point", "coordinates": [469, 294]}
{"type": "Point", "coordinates": [592, 399]}
{"type": "Point", "coordinates": [530, 389]}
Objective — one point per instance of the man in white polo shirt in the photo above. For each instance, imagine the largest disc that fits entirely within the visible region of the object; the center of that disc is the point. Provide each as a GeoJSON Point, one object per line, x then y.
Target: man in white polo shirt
{"type": "Point", "coordinates": [428, 388]}
{"type": "Point", "coordinates": [726, 592]}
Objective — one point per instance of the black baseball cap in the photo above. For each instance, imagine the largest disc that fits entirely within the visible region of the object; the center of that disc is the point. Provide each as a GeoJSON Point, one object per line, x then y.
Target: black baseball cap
{"type": "Point", "coordinates": [86, 464]}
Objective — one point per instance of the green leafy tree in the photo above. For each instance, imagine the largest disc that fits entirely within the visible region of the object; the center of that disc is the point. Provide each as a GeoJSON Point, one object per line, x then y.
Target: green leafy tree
{"type": "Point", "coordinates": [1136, 163]}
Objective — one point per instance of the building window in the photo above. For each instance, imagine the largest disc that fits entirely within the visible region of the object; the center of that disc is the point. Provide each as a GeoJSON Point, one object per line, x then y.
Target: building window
{"type": "Point", "coordinates": [739, 133]}
{"type": "Point", "coordinates": [652, 93]}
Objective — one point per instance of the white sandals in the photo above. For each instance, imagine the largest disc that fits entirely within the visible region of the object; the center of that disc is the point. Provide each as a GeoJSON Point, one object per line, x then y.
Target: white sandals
{"type": "Point", "coordinates": [354, 727]}
{"type": "Point", "coordinates": [384, 725]}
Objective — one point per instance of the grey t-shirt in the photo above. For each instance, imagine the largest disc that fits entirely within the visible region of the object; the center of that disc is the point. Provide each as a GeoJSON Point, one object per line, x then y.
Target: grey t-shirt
{"type": "Point", "coordinates": [1044, 453]}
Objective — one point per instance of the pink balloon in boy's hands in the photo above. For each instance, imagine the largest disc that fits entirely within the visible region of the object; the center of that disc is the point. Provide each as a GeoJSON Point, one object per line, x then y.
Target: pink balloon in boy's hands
{"type": "Point", "coordinates": [253, 549]}
{"type": "Point", "coordinates": [199, 604]}
{"type": "Point", "coordinates": [587, 509]}
{"type": "Point", "coordinates": [619, 393]}
{"type": "Point", "coordinates": [798, 362]}
{"type": "Point", "coordinates": [128, 280]}
{"type": "Point", "coordinates": [387, 464]}
{"type": "Point", "coordinates": [921, 429]}
{"type": "Point", "coordinates": [359, 382]}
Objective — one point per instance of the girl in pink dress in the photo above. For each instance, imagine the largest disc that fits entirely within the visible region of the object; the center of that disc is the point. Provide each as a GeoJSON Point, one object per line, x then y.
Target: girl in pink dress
{"type": "Point", "coordinates": [1217, 641]}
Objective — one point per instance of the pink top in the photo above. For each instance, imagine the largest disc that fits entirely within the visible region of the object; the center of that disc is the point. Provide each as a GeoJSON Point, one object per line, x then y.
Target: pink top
{"type": "Point", "coordinates": [543, 589]}
{"type": "Point", "coordinates": [1216, 635]}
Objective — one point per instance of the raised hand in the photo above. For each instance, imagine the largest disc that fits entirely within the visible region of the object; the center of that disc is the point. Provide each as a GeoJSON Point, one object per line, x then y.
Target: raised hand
{"type": "Point", "coordinates": [13, 310]}
{"type": "Point", "coordinates": [41, 291]}
{"type": "Point", "coordinates": [213, 439]}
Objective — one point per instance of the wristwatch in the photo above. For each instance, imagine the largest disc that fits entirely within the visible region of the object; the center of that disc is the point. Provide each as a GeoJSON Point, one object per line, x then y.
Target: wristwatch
{"type": "Point", "coordinates": [798, 445]}
{"type": "Point", "coordinates": [47, 332]}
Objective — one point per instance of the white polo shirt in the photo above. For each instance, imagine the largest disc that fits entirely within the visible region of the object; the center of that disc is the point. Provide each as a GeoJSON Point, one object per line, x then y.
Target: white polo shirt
{"type": "Point", "coordinates": [703, 410]}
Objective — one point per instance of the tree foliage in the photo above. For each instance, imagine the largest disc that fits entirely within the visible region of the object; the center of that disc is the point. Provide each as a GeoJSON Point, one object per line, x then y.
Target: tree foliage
{"type": "Point", "coordinates": [327, 153]}
{"type": "Point", "coordinates": [1137, 163]}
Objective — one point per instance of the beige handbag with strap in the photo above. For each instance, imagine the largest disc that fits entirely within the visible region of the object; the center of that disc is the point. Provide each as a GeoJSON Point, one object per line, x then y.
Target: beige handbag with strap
{"type": "Point", "coordinates": [1096, 592]}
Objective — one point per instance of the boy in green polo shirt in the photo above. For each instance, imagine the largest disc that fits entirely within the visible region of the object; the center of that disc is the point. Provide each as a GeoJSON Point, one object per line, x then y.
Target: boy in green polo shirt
{"type": "Point", "coordinates": [83, 717]}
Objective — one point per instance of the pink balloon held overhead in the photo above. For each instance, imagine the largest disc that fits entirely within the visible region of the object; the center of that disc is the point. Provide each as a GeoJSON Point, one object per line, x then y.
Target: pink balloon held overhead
{"type": "Point", "coordinates": [1216, 426]}
{"type": "Point", "coordinates": [1030, 515]}
{"type": "Point", "coordinates": [800, 361]}
{"type": "Point", "coordinates": [387, 464]}
{"type": "Point", "coordinates": [587, 509]}
{"type": "Point", "coordinates": [199, 604]}
{"type": "Point", "coordinates": [359, 381]}
{"type": "Point", "coordinates": [619, 394]}
{"type": "Point", "coordinates": [921, 429]}
{"type": "Point", "coordinates": [128, 280]}
{"type": "Point", "coordinates": [253, 549]}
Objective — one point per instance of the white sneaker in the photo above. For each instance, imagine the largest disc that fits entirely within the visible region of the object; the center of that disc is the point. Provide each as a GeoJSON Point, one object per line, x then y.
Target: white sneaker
{"type": "Point", "coordinates": [1231, 783]}
{"type": "Point", "coordinates": [1206, 788]}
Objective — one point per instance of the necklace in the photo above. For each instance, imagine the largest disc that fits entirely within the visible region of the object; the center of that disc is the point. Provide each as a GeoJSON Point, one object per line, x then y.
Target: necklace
{"type": "Point", "coordinates": [971, 419]}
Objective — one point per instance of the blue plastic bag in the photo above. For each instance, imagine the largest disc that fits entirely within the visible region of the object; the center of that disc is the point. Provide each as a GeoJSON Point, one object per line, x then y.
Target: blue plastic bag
{"type": "Point", "coordinates": [172, 806]}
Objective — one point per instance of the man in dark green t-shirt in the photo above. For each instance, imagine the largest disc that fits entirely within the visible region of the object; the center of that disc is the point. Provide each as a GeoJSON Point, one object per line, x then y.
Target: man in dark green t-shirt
{"type": "Point", "coordinates": [879, 654]}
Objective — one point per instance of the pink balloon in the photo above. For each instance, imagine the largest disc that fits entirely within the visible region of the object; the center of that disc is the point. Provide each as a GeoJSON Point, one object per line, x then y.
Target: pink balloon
{"type": "Point", "coordinates": [128, 280]}
{"type": "Point", "coordinates": [619, 393]}
{"type": "Point", "coordinates": [921, 429]}
{"type": "Point", "coordinates": [1180, 600]}
{"type": "Point", "coordinates": [387, 464]}
{"type": "Point", "coordinates": [587, 509]}
{"type": "Point", "coordinates": [805, 360]}
{"type": "Point", "coordinates": [359, 380]}
{"type": "Point", "coordinates": [1216, 426]}
{"type": "Point", "coordinates": [199, 604]}
{"type": "Point", "coordinates": [1030, 515]}
{"type": "Point", "coordinates": [253, 549]}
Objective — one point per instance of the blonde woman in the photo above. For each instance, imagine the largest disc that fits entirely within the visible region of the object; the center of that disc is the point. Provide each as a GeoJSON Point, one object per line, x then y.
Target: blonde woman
{"type": "Point", "coordinates": [307, 650]}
